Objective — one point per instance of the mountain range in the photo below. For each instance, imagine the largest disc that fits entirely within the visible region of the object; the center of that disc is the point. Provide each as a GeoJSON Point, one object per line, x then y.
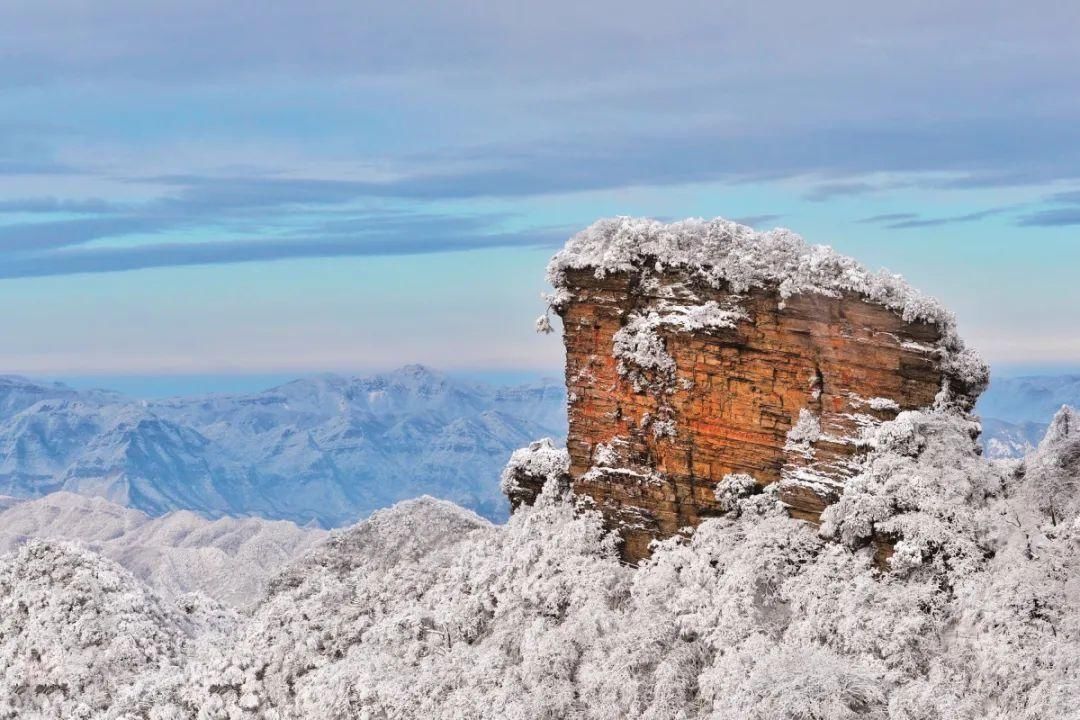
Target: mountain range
{"type": "Point", "coordinates": [1016, 411]}
{"type": "Point", "coordinates": [228, 559]}
{"type": "Point", "coordinates": [325, 450]}
{"type": "Point", "coordinates": [425, 610]}
{"type": "Point", "coordinates": [328, 450]}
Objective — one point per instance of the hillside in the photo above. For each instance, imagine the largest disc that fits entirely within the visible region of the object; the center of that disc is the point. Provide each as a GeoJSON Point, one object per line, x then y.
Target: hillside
{"type": "Point", "coordinates": [425, 610]}
{"type": "Point", "coordinates": [228, 559]}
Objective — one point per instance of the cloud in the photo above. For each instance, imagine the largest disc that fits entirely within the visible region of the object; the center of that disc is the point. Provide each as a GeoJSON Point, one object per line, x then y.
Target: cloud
{"type": "Point", "coordinates": [917, 222]}
{"type": "Point", "coordinates": [1055, 217]}
{"type": "Point", "coordinates": [757, 220]}
{"type": "Point", "coordinates": [685, 93]}
{"type": "Point", "coordinates": [24, 237]}
{"type": "Point", "coordinates": [380, 232]}
{"type": "Point", "coordinates": [194, 193]}
{"type": "Point", "coordinates": [1072, 196]}
{"type": "Point", "coordinates": [889, 218]}
{"type": "Point", "coordinates": [185, 40]}
{"type": "Point", "coordinates": [100, 260]}
{"type": "Point", "coordinates": [34, 166]}
{"type": "Point", "coordinates": [282, 218]}
{"type": "Point", "coordinates": [695, 154]}
{"type": "Point", "coordinates": [907, 220]}
{"type": "Point", "coordinates": [44, 205]}
{"type": "Point", "coordinates": [422, 105]}
{"type": "Point", "coordinates": [828, 191]}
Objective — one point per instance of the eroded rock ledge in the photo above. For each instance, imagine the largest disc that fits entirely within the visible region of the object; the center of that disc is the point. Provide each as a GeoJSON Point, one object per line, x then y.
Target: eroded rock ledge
{"type": "Point", "coordinates": [701, 350]}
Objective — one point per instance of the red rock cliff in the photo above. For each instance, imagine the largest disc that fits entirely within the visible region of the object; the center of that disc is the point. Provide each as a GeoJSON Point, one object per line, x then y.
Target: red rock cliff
{"type": "Point", "coordinates": [703, 350]}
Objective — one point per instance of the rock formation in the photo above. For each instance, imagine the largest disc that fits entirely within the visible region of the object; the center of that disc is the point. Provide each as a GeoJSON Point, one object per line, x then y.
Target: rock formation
{"type": "Point", "coordinates": [702, 352]}
{"type": "Point", "coordinates": [531, 468]}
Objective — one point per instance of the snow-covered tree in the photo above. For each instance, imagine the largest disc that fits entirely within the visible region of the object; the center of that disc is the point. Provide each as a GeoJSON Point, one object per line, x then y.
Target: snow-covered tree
{"type": "Point", "coordinates": [427, 611]}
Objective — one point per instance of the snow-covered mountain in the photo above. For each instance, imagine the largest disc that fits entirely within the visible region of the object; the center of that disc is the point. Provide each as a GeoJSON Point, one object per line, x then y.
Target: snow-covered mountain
{"type": "Point", "coordinates": [324, 450]}
{"type": "Point", "coordinates": [1017, 410]}
{"type": "Point", "coordinates": [228, 559]}
{"type": "Point", "coordinates": [79, 634]}
{"type": "Point", "coordinates": [1002, 440]}
{"type": "Point", "coordinates": [331, 449]}
{"type": "Point", "coordinates": [425, 610]}
{"type": "Point", "coordinates": [1029, 399]}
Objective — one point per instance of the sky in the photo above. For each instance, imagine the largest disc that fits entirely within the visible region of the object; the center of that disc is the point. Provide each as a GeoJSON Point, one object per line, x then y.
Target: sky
{"type": "Point", "coordinates": [257, 190]}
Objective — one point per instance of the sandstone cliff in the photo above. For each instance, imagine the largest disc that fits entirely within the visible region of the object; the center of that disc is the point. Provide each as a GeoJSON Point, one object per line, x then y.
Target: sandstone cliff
{"type": "Point", "coordinates": [702, 356]}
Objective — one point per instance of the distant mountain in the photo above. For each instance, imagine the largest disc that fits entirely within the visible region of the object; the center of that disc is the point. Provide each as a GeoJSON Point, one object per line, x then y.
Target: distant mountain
{"type": "Point", "coordinates": [1016, 411]}
{"type": "Point", "coordinates": [330, 449]}
{"type": "Point", "coordinates": [325, 450]}
{"type": "Point", "coordinates": [1003, 440]}
{"type": "Point", "coordinates": [228, 559]}
{"type": "Point", "coordinates": [1029, 399]}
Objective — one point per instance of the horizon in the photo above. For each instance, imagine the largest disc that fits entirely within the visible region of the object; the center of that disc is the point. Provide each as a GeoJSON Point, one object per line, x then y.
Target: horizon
{"type": "Point", "coordinates": [190, 190]}
{"type": "Point", "coordinates": [148, 387]}
{"type": "Point", "coordinates": [153, 387]}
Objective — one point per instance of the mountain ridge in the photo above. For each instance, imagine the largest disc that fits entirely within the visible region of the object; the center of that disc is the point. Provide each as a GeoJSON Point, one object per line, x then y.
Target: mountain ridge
{"type": "Point", "coordinates": [327, 449]}
{"type": "Point", "coordinates": [228, 559]}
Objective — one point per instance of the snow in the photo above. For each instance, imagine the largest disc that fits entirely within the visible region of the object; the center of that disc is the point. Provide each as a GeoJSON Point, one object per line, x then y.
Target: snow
{"type": "Point", "coordinates": [805, 432]}
{"type": "Point", "coordinates": [875, 403]}
{"type": "Point", "coordinates": [1016, 411]}
{"type": "Point", "coordinates": [638, 345]}
{"type": "Point", "coordinates": [540, 459]}
{"type": "Point", "coordinates": [1004, 440]}
{"type": "Point", "coordinates": [736, 257]}
{"type": "Point", "coordinates": [228, 559]}
{"type": "Point", "coordinates": [722, 251]}
{"type": "Point", "coordinates": [733, 488]}
{"type": "Point", "coordinates": [79, 635]}
{"type": "Point", "coordinates": [607, 454]}
{"type": "Point", "coordinates": [1054, 467]}
{"type": "Point", "coordinates": [328, 449]}
{"type": "Point", "coordinates": [426, 610]}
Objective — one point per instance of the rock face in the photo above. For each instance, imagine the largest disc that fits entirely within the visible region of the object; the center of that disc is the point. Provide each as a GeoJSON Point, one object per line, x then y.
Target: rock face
{"type": "Point", "coordinates": [679, 375]}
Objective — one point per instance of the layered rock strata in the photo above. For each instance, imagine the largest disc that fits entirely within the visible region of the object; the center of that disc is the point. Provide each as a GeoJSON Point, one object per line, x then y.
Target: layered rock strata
{"type": "Point", "coordinates": [702, 350]}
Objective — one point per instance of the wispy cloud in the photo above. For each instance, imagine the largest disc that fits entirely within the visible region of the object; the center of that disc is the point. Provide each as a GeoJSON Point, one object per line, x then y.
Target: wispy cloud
{"type": "Point", "coordinates": [1072, 197]}
{"type": "Point", "coordinates": [758, 220]}
{"type": "Point", "coordinates": [39, 236]}
{"type": "Point", "coordinates": [206, 253]}
{"type": "Point", "coordinates": [1066, 213]}
{"type": "Point", "coordinates": [375, 234]}
{"type": "Point", "coordinates": [52, 205]}
{"type": "Point", "coordinates": [889, 218]}
{"type": "Point", "coordinates": [828, 191]}
{"type": "Point", "coordinates": [904, 221]}
{"type": "Point", "coordinates": [254, 218]}
{"type": "Point", "coordinates": [1055, 217]}
{"type": "Point", "coordinates": [426, 106]}
{"type": "Point", "coordinates": [585, 161]}
{"type": "Point", "coordinates": [949, 220]}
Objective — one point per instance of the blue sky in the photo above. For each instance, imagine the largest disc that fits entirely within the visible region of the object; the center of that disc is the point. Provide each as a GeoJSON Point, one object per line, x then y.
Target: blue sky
{"type": "Point", "coordinates": [254, 189]}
